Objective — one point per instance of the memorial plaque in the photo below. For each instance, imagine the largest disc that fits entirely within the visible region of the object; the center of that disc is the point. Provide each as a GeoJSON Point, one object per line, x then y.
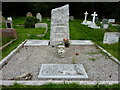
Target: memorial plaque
{"type": "Point", "coordinates": [62, 71]}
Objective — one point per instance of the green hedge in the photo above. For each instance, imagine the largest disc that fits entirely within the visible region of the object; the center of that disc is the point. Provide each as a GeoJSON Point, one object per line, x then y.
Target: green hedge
{"type": "Point", "coordinates": [30, 22]}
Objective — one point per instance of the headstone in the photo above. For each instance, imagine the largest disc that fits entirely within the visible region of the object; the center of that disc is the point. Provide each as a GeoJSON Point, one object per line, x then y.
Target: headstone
{"type": "Point", "coordinates": [105, 24]}
{"type": "Point", "coordinates": [38, 16]}
{"type": "Point", "coordinates": [29, 14]}
{"type": "Point", "coordinates": [111, 37]}
{"type": "Point", "coordinates": [71, 17]}
{"type": "Point", "coordinates": [85, 20]}
{"type": "Point", "coordinates": [59, 24]}
{"type": "Point", "coordinates": [93, 25]}
{"type": "Point", "coordinates": [8, 33]}
{"type": "Point", "coordinates": [111, 20]}
{"type": "Point", "coordinates": [62, 71]}
{"type": "Point", "coordinates": [9, 22]}
{"type": "Point", "coordinates": [96, 19]}
{"type": "Point", "coordinates": [38, 25]}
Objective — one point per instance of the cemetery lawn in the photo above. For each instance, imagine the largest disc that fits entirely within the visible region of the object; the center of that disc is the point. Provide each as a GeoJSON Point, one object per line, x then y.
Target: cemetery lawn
{"type": "Point", "coordinates": [65, 85]}
{"type": "Point", "coordinates": [77, 32]}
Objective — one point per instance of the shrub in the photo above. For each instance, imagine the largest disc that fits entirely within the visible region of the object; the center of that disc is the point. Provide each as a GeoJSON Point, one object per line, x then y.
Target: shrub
{"type": "Point", "coordinates": [30, 22]}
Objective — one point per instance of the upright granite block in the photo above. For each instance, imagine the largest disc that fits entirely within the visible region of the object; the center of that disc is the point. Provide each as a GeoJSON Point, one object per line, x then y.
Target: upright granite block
{"type": "Point", "coordinates": [59, 24]}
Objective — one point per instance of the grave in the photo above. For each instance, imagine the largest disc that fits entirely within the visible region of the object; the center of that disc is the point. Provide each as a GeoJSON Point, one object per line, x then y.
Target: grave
{"type": "Point", "coordinates": [71, 18]}
{"type": "Point", "coordinates": [62, 71]}
{"type": "Point", "coordinates": [38, 25]}
{"type": "Point", "coordinates": [105, 24]}
{"type": "Point", "coordinates": [29, 14]}
{"type": "Point", "coordinates": [9, 22]}
{"type": "Point", "coordinates": [8, 33]}
{"type": "Point", "coordinates": [38, 16]}
{"type": "Point", "coordinates": [85, 20]}
{"type": "Point", "coordinates": [111, 20]}
{"type": "Point", "coordinates": [59, 25]}
{"type": "Point", "coordinates": [92, 24]}
{"type": "Point", "coordinates": [111, 37]}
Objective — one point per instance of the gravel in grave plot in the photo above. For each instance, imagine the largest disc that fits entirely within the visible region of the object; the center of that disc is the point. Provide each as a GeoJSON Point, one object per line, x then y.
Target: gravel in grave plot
{"type": "Point", "coordinates": [98, 66]}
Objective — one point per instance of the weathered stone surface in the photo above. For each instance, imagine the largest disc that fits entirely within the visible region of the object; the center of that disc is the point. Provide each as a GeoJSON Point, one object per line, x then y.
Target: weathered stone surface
{"type": "Point", "coordinates": [62, 71]}
{"type": "Point", "coordinates": [29, 14]}
{"type": "Point", "coordinates": [38, 16]}
{"type": "Point", "coordinates": [59, 24]}
{"type": "Point", "coordinates": [111, 37]}
{"type": "Point", "coordinates": [37, 25]}
{"type": "Point", "coordinates": [36, 42]}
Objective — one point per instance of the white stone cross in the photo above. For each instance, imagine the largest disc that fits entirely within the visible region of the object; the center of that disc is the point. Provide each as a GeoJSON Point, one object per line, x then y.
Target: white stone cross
{"type": "Point", "coordinates": [85, 15]}
{"type": "Point", "coordinates": [93, 20]}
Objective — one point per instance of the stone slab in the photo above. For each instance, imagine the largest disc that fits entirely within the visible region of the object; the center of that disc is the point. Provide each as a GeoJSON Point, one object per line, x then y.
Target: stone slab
{"type": "Point", "coordinates": [36, 42]}
{"type": "Point", "coordinates": [59, 24]}
{"type": "Point", "coordinates": [81, 42]}
{"type": "Point", "coordinates": [62, 71]}
{"type": "Point", "coordinates": [111, 37]}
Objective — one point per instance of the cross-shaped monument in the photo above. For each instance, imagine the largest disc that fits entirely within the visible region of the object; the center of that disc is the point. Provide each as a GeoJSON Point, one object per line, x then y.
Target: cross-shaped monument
{"type": "Point", "coordinates": [93, 20]}
{"type": "Point", "coordinates": [92, 24]}
{"type": "Point", "coordinates": [85, 20]}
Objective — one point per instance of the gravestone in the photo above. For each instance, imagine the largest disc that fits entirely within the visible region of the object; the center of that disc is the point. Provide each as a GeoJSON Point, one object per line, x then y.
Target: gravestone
{"type": "Point", "coordinates": [71, 17]}
{"type": "Point", "coordinates": [38, 16]}
{"type": "Point", "coordinates": [9, 22]}
{"type": "Point", "coordinates": [111, 20]}
{"type": "Point", "coordinates": [29, 14]}
{"type": "Point", "coordinates": [38, 25]}
{"type": "Point", "coordinates": [62, 71]}
{"type": "Point", "coordinates": [85, 20]}
{"type": "Point", "coordinates": [105, 24]}
{"type": "Point", "coordinates": [92, 24]}
{"type": "Point", "coordinates": [59, 24]}
{"type": "Point", "coordinates": [8, 33]}
{"type": "Point", "coordinates": [111, 37]}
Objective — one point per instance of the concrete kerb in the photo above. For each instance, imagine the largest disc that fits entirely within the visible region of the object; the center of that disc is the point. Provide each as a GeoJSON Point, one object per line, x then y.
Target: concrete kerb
{"type": "Point", "coordinates": [6, 59]}
{"type": "Point", "coordinates": [12, 82]}
{"type": "Point", "coordinates": [106, 52]}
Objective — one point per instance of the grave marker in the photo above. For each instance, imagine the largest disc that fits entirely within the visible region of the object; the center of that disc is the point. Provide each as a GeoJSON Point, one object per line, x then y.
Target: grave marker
{"type": "Point", "coordinates": [59, 24]}
{"type": "Point", "coordinates": [111, 37]}
{"type": "Point", "coordinates": [38, 16]}
{"type": "Point", "coordinates": [29, 14]}
{"type": "Point", "coordinates": [85, 20]}
{"type": "Point", "coordinates": [93, 25]}
{"type": "Point", "coordinates": [9, 22]}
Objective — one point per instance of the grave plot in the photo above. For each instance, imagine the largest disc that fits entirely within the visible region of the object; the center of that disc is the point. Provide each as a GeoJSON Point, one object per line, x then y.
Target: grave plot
{"type": "Point", "coordinates": [30, 59]}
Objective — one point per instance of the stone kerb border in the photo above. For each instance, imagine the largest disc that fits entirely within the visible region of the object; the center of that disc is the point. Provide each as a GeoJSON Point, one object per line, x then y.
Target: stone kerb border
{"type": "Point", "coordinates": [106, 52]}
{"type": "Point", "coordinates": [40, 82]}
{"type": "Point", "coordinates": [6, 59]}
{"type": "Point", "coordinates": [12, 82]}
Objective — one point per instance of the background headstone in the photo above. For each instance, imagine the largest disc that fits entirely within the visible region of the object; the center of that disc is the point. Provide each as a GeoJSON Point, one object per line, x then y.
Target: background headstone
{"type": "Point", "coordinates": [9, 22]}
{"type": "Point", "coordinates": [38, 25]}
{"type": "Point", "coordinates": [105, 24]}
{"type": "Point", "coordinates": [71, 17]}
{"type": "Point", "coordinates": [38, 16]}
{"type": "Point", "coordinates": [8, 33]}
{"type": "Point", "coordinates": [85, 20]}
{"type": "Point", "coordinates": [59, 24]}
{"type": "Point", "coordinates": [111, 37]}
{"type": "Point", "coordinates": [29, 14]}
{"type": "Point", "coordinates": [111, 20]}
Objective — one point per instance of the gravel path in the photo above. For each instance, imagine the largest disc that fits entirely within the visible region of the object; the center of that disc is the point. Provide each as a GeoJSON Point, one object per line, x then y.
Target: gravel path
{"type": "Point", "coordinates": [98, 66]}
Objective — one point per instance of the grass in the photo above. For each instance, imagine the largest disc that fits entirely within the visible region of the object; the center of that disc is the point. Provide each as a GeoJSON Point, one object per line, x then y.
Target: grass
{"type": "Point", "coordinates": [64, 85]}
{"type": "Point", "coordinates": [77, 32]}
